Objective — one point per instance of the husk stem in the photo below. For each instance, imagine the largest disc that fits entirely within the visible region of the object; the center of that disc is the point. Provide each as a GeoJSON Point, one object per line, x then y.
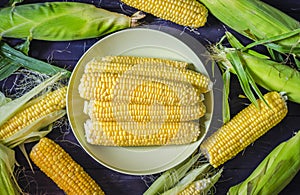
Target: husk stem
{"type": "Point", "coordinates": [274, 173]}
{"type": "Point", "coordinates": [261, 22]}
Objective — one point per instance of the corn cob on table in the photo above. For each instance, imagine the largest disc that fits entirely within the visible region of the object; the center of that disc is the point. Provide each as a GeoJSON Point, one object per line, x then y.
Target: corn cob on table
{"type": "Point", "coordinates": [66, 54]}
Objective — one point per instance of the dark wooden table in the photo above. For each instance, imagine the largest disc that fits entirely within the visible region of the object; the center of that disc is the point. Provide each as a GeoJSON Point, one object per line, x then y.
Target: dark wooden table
{"type": "Point", "coordinates": [66, 54]}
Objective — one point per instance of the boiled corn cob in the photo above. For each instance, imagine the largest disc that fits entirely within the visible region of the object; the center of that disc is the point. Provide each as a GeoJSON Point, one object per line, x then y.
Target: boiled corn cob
{"type": "Point", "coordinates": [113, 111]}
{"type": "Point", "coordinates": [35, 109]}
{"type": "Point", "coordinates": [57, 164]}
{"type": "Point", "coordinates": [140, 134]}
{"type": "Point", "coordinates": [244, 128]}
{"type": "Point", "coordinates": [183, 12]}
{"type": "Point", "coordinates": [136, 89]}
{"type": "Point", "coordinates": [151, 67]}
{"type": "Point", "coordinates": [130, 60]}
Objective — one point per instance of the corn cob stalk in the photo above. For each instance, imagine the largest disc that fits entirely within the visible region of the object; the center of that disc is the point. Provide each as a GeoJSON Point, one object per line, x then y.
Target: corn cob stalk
{"type": "Point", "coordinates": [57, 164]}
{"type": "Point", "coordinates": [136, 89]}
{"type": "Point", "coordinates": [111, 111]}
{"type": "Point", "coordinates": [183, 12]}
{"type": "Point", "coordinates": [274, 172]}
{"type": "Point", "coordinates": [263, 22]}
{"type": "Point", "coordinates": [152, 67]}
{"type": "Point", "coordinates": [35, 109]}
{"type": "Point", "coordinates": [60, 21]}
{"type": "Point", "coordinates": [244, 128]}
{"type": "Point", "coordinates": [140, 134]}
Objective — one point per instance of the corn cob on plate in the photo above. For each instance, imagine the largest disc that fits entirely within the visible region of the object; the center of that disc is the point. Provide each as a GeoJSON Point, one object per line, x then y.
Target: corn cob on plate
{"type": "Point", "coordinates": [136, 42]}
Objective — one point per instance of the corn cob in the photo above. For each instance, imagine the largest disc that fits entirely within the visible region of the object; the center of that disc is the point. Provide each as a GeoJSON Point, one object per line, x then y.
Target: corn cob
{"type": "Point", "coordinates": [111, 111]}
{"type": "Point", "coordinates": [35, 109]}
{"type": "Point", "coordinates": [244, 128]}
{"type": "Point", "coordinates": [57, 164]}
{"type": "Point", "coordinates": [136, 89]}
{"type": "Point", "coordinates": [95, 64]}
{"type": "Point", "coordinates": [152, 67]}
{"type": "Point", "coordinates": [183, 12]}
{"type": "Point", "coordinates": [140, 134]}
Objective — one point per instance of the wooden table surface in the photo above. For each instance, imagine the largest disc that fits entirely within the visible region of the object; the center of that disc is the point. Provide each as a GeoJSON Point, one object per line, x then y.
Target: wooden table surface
{"type": "Point", "coordinates": [66, 54]}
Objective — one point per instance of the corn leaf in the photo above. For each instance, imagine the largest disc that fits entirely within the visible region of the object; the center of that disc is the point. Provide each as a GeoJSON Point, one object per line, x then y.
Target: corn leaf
{"type": "Point", "coordinates": [9, 109]}
{"type": "Point", "coordinates": [274, 172]}
{"type": "Point", "coordinates": [169, 178]}
{"type": "Point", "coordinates": [234, 42]}
{"type": "Point", "coordinates": [242, 76]}
{"type": "Point", "coordinates": [226, 107]}
{"type": "Point", "coordinates": [14, 59]}
{"type": "Point", "coordinates": [274, 39]}
{"type": "Point", "coordinates": [198, 173]}
{"type": "Point", "coordinates": [8, 182]}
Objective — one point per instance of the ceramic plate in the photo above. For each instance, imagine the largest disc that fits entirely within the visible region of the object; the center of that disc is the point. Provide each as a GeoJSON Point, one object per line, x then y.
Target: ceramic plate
{"type": "Point", "coordinates": [135, 42]}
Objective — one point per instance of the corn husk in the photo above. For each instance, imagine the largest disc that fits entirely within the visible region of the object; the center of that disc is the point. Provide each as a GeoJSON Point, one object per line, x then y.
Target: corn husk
{"type": "Point", "coordinates": [8, 181]}
{"type": "Point", "coordinates": [258, 21]}
{"type": "Point", "coordinates": [274, 172]}
{"type": "Point", "coordinates": [254, 68]}
{"type": "Point", "coordinates": [9, 109]}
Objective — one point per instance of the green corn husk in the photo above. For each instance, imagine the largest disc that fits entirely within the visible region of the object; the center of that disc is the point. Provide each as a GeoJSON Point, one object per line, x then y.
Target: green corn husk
{"type": "Point", "coordinates": [169, 178]}
{"type": "Point", "coordinates": [60, 21]}
{"type": "Point", "coordinates": [8, 181]}
{"type": "Point", "coordinates": [274, 172]}
{"type": "Point", "coordinates": [12, 60]}
{"type": "Point", "coordinates": [260, 21]}
{"type": "Point", "coordinates": [253, 68]}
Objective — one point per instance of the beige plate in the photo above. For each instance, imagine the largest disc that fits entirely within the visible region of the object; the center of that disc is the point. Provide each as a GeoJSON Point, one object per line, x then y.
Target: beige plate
{"type": "Point", "coordinates": [134, 160]}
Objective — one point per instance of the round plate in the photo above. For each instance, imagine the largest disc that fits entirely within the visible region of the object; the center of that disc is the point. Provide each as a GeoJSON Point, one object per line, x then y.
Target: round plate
{"type": "Point", "coordinates": [135, 42]}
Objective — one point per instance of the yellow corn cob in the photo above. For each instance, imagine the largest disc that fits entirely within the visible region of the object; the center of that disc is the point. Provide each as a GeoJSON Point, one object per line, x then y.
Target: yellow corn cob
{"type": "Point", "coordinates": [136, 89]}
{"type": "Point", "coordinates": [58, 165]}
{"type": "Point", "coordinates": [184, 12]}
{"type": "Point", "coordinates": [35, 109]}
{"type": "Point", "coordinates": [156, 67]}
{"type": "Point", "coordinates": [140, 134]}
{"type": "Point", "coordinates": [130, 61]}
{"type": "Point", "coordinates": [110, 111]}
{"type": "Point", "coordinates": [243, 129]}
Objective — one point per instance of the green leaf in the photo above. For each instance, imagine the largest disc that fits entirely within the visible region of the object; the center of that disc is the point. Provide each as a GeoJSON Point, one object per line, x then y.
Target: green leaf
{"type": "Point", "coordinates": [60, 21]}
{"type": "Point", "coordinates": [14, 57]}
{"type": "Point", "coordinates": [226, 107]}
{"type": "Point", "coordinates": [169, 178]}
{"type": "Point", "coordinates": [242, 76]}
